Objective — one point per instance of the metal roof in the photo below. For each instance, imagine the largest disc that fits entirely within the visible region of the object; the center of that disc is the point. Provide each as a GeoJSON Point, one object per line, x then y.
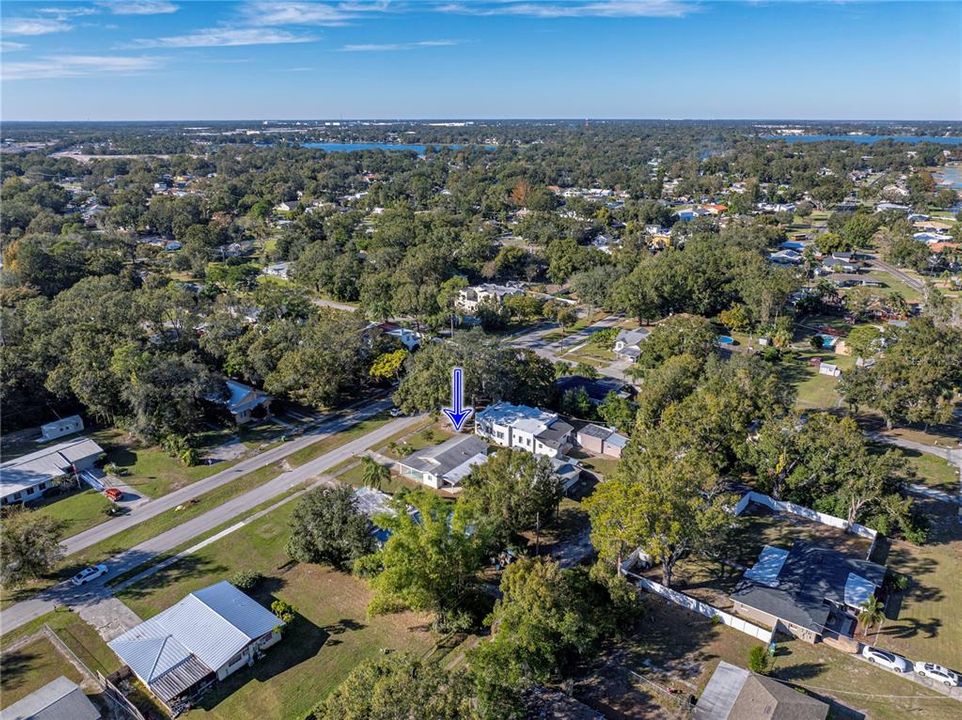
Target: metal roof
{"type": "Point", "coordinates": [57, 700]}
{"type": "Point", "coordinates": [213, 624]}
{"type": "Point", "coordinates": [46, 464]}
{"type": "Point", "coordinates": [769, 564]}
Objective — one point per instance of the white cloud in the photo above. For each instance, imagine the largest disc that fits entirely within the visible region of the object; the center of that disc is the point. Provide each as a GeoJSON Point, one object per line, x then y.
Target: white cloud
{"type": "Point", "coordinates": [33, 26]}
{"type": "Point", "coordinates": [9, 46]}
{"type": "Point", "coordinates": [298, 12]}
{"type": "Point", "coordinates": [223, 37]}
{"type": "Point", "coordinates": [139, 7]}
{"type": "Point", "coordinates": [65, 12]}
{"type": "Point", "coordinates": [560, 8]}
{"type": "Point", "coordinates": [70, 66]}
{"type": "Point", "coordinates": [389, 47]}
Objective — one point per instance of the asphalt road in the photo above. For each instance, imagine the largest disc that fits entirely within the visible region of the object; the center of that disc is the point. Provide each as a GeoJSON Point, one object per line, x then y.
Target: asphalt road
{"type": "Point", "coordinates": [329, 426]}
{"type": "Point", "coordinates": [533, 339]}
{"type": "Point", "coordinates": [94, 592]}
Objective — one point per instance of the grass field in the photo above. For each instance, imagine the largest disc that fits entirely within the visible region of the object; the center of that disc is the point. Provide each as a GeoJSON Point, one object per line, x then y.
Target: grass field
{"type": "Point", "coordinates": [77, 511]}
{"type": "Point", "coordinates": [926, 619]}
{"type": "Point", "coordinates": [332, 634]}
{"type": "Point", "coordinates": [315, 450]}
{"type": "Point", "coordinates": [30, 668]}
{"type": "Point", "coordinates": [929, 470]}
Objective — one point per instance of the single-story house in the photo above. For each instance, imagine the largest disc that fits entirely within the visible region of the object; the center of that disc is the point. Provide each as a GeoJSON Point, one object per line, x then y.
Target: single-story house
{"type": "Point", "coordinates": [25, 478]}
{"type": "Point", "coordinates": [734, 693]}
{"type": "Point", "coordinates": [278, 270]}
{"type": "Point", "coordinates": [246, 403]}
{"type": "Point", "coordinates": [807, 591]}
{"type": "Point", "coordinates": [444, 466]}
{"type": "Point", "coordinates": [407, 337]}
{"type": "Point", "coordinates": [829, 369]}
{"type": "Point", "coordinates": [627, 343]}
{"type": "Point", "coordinates": [568, 470]}
{"type": "Point", "coordinates": [597, 389]}
{"type": "Point", "coordinates": [60, 699]}
{"type": "Point", "coordinates": [59, 428]}
{"type": "Point", "coordinates": [837, 264]}
{"type": "Point", "coordinates": [470, 298]}
{"type": "Point", "coordinates": [600, 440]}
{"type": "Point", "coordinates": [786, 257]}
{"type": "Point", "coordinates": [844, 280]}
{"type": "Point", "coordinates": [527, 428]}
{"type": "Point", "coordinates": [205, 637]}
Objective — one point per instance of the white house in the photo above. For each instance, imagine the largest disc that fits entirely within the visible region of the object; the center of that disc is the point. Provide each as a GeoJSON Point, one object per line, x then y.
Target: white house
{"type": "Point", "coordinates": [59, 428]}
{"type": "Point", "coordinates": [470, 298]}
{"type": "Point", "coordinates": [25, 478]}
{"type": "Point", "coordinates": [627, 343]}
{"type": "Point", "coordinates": [245, 403]}
{"type": "Point", "coordinates": [278, 270]}
{"type": "Point", "coordinates": [786, 257]}
{"type": "Point", "coordinates": [444, 466]}
{"type": "Point", "coordinates": [526, 428]}
{"type": "Point", "coordinates": [205, 637]}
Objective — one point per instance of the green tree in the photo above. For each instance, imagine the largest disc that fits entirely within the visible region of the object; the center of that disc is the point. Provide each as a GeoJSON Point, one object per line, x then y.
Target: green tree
{"type": "Point", "coordinates": [872, 612]}
{"type": "Point", "coordinates": [327, 527]}
{"type": "Point", "coordinates": [398, 686]}
{"type": "Point", "coordinates": [430, 561]}
{"type": "Point", "coordinates": [759, 661]}
{"type": "Point", "coordinates": [388, 365]}
{"type": "Point", "coordinates": [678, 335]}
{"type": "Point", "coordinates": [618, 412]}
{"type": "Point", "coordinates": [511, 492]}
{"type": "Point", "coordinates": [30, 546]}
{"type": "Point", "coordinates": [374, 473]}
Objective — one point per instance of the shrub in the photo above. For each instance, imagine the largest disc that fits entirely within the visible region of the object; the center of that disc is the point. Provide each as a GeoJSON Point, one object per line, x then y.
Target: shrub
{"type": "Point", "coordinates": [759, 661]}
{"type": "Point", "coordinates": [817, 342]}
{"type": "Point", "coordinates": [284, 611]}
{"type": "Point", "coordinates": [246, 579]}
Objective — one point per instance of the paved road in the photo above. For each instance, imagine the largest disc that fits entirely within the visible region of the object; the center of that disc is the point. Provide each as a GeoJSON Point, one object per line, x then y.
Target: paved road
{"type": "Point", "coordinates": [951, 455]}
{"type": "Point", "coordinates": [912, 282]}
{"type": "Point", "coordinates": [334, 304]}
{"type": "Point", "coordinates": [533, 339]}
{"type": "Point", "coordinates": [93, 594]}
{"type": "Point", "coordinates": [332, 424]}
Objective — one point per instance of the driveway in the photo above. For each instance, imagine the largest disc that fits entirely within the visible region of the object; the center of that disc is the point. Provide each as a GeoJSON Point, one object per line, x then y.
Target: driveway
{"type": "Point", "coordinates": [66, 594]}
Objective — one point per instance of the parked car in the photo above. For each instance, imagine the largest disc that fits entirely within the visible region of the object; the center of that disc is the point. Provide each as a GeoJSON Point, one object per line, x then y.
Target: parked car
{"type": "Point", "coordinates": [886, 659]}
{"type": "Point", "coordinates": [395, 412]}
{"type": "Point", "coordinates": [937, 673]}
{"type": "Point", "coordinates": [113, 493]}
{"type": "Point", "coordinates": [88, 574]}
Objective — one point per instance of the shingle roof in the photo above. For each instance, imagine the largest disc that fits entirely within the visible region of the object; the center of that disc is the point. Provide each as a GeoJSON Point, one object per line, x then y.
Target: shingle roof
{"type": "Point", "coordinates": [60, 699]}
{"type": "Point", "coordinates": [449, 455]}
{"type": "Point", "coordinates": [46, 464]}
{"type": "Point", "coordinates": [734, 693]}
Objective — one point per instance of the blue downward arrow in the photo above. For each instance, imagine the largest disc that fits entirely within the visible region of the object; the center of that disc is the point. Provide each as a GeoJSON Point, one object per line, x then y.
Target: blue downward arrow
{"type": "Point", "coordinates": [457, 414]}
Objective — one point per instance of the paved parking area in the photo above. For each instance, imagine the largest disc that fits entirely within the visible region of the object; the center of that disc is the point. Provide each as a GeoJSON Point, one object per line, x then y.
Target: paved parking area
{"type": "Point", "coordinates": [107, 615]}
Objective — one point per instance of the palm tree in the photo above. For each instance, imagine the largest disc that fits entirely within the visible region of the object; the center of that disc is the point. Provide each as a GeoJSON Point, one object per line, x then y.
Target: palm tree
{"type": "Point", "coordinates": [375, 474]}
{"type": "Point", "coordinates": [872, 613]}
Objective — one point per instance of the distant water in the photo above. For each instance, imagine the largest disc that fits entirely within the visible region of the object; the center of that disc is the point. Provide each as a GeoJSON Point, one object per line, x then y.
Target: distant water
{"type": "Point", "coordinates": [353, 147]}
{"type": "Point", "coordinates": [951, 174]}
{"type": "Point", "coordinates": [868, 139]}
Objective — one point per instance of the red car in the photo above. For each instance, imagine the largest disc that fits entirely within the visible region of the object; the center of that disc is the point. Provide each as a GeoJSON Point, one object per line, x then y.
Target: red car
{"type": "Point", "coordinates": [113, 494]}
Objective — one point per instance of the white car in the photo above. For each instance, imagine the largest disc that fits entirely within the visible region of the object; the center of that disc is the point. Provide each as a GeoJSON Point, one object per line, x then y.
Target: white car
{"type": "Point", "coordinates": [88, 574]}
{"type": "Point", "coordinates": [937, 673]}
{"type": "Point", "coordinates": [888, 660]}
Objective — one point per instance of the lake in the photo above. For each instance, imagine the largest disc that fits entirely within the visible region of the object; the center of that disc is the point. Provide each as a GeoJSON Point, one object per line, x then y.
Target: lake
{"type": "Point", "coordinates": [353, 147]}
{"type": "Point", "coordinates": [868, 139]}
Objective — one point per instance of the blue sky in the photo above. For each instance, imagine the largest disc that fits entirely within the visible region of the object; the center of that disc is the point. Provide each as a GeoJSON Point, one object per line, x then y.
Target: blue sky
{"type": "Point", "coordinates": [187, 59]}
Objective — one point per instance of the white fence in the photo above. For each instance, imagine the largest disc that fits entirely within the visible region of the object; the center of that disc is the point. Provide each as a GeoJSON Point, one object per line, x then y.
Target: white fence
{"type": "Point", "coordinates": [705, 609]}
{"type": "Point", "coordinates": [807, 513]}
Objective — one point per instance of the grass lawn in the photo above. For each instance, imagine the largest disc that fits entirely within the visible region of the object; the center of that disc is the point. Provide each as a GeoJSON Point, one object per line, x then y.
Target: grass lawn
{"type": "Point", "coordinates": [603, 466]}
{"type": "Point", "coordinates": [681, 649]}
{"type": "Point", "coordinates": [926, 619]}
{"type": "Point", "coordinates": [929, 470]}
{"type": "Point", "coordinates": [891, 284]}
{"type": "Point", "coordinates": [315, 450]}
{"type": "Point", "coordinates": [30, 668]}
{"type": "Point", "coordinates": [152, 471]}
{"type": "Point", "coordinates": [331, 636]}
{"type": "Point", "coordinates": [77, 511]}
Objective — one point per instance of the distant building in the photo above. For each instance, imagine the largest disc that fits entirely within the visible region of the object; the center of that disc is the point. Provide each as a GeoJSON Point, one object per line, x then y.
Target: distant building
{"type": "Point", "coordinates": [470, 298]}
{"type": "Point", "coordinates": [597, 389]}
{"type": "Point", "coordinates": [525, 428]}
{"type": "Point", "coordinates": [245, 403]}
{"type": "Point", "coordinates": [734, 693]}
{"type": "Point", "coordinates": [628, 342]}
{"type": "Point", "coordinates": [59, 428]}
{"type": "Point", "coordinates": [61, 699]}
{"type": "Point", "coordinates": [278, 270]}
{"type": "Point", "coordinates": [25, 478]}
{"type": "Point", "coordinates": [205, 637]}
{"type": "Point", "coordinates": [444, 466]}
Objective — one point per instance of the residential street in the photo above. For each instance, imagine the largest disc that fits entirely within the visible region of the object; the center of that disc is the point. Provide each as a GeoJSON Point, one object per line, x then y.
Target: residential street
{"type": "Point", "coordinates": [533, 339]}
{"type": "Point", "coordinates": [93, 593]}
{"type": "Point", "coordinates": [334, 424]}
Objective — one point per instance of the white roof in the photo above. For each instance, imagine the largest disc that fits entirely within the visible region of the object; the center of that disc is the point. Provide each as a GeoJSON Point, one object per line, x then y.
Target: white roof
{"type": "Point", "coordinates": [213, 624]}
{"type": "Point", "coordinates": [520, 417]}
{"type": "Point", "coordinates": [44, 465]}
{"type": "Point", "coordinates": [769, 564]}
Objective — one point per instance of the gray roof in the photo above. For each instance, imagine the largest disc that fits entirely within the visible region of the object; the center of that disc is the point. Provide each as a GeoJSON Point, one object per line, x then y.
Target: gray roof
{"type": "Point", "coordinates": [632, 337]}
{"type": "Point", "coordinates": [596, 431]}
{"type": "Point", "coordinates": [57, 700]}
{"type": "Point", "coordinates": [809, 576]}
{"type": "Point", "coordinates": [449, 455]}
{"type": "Point", "coordinates": [211, 625]}
{"type": "Point", "coordinates": [243, 397]}
{"type": "Point", "coordinates": [597, 389]}
{"type": "Point", "coordinates": [556, 434]}
{"type": "Point", "coordinates": [734, 693]}
{"type": "Point", "coordinates": [46, 464]}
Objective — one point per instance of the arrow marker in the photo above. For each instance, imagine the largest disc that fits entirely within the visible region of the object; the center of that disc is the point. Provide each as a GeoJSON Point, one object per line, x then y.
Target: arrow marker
{"type": "Point", "coordinates": [457, 414]}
